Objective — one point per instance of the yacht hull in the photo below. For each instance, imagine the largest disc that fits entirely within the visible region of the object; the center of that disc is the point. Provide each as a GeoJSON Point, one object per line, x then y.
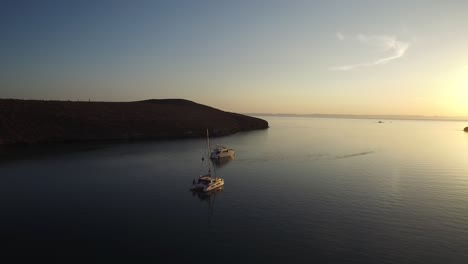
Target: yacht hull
{"type": "Point", "coordinates": [228, 153]}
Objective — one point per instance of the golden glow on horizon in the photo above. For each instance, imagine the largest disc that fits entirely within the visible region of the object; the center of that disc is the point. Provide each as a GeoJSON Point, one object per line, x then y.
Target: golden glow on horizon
{"type": "Point", "coordinates": [456, 93]}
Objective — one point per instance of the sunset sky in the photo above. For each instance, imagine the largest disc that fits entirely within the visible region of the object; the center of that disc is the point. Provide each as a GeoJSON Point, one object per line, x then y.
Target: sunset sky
{"type": "Point", "coordinates": [328, 57]}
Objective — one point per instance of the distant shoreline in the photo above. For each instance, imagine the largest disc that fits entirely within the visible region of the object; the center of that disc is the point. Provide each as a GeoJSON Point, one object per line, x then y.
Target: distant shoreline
{"type": "Point", "coordinates": [374, 117]}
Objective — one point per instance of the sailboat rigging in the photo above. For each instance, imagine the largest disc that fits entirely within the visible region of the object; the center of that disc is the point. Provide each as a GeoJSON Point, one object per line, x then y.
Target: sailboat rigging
{"type": "Point", "coordinates": [207, 182]}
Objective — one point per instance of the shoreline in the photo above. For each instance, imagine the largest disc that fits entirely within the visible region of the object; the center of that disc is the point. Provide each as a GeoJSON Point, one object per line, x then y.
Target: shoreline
{"type": "Point", "coordinates": [25, 122]}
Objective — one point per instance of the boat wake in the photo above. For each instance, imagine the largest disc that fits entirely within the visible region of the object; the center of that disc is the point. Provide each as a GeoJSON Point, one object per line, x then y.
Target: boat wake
{"type": "Point", "coordinates": [354, 155]}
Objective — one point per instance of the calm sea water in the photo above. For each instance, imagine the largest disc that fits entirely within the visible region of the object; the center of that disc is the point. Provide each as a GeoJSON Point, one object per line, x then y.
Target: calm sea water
{"type": "Point", "coordinates": [306, 190]}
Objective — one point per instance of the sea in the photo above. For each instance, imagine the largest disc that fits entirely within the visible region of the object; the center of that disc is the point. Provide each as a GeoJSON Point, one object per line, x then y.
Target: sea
{"type": "Point", "coordinates": [305, 190]}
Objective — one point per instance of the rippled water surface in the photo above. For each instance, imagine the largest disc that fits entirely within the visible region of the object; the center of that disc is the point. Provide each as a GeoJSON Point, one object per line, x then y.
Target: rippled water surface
{"type": "Point", "coordinates": [306, 190]}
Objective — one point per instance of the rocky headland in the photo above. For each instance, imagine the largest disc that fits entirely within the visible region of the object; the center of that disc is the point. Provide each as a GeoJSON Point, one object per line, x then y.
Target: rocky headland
{"type": "Point", "coordinates": [35, 121]}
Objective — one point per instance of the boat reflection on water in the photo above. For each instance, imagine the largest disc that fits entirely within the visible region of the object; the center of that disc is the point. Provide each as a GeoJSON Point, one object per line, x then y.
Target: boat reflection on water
{"type": "Point", "coordinates": [221, 162]}
{"type": "Point", "coordinates": [209, 198]}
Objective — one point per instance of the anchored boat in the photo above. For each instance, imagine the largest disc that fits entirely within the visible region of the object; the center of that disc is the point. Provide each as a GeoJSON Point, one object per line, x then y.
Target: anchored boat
{"type": "Point", "coordinates": [207, 182]}
{"type": "Point", "coordinates": [221, 152]}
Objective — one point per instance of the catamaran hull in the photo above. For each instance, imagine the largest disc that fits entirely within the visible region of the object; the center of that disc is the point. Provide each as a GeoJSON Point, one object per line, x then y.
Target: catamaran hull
{"type": "Point", "coordinates": [213, 186]}
{"type": "Point", "coordinates": [207, 186]}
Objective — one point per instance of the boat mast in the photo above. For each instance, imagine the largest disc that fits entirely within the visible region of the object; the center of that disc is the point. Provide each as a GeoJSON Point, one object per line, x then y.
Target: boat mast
{"type": "Point", "coordinates": [210, 163]}
{"type": "Point", "coordinates": [208, 142]}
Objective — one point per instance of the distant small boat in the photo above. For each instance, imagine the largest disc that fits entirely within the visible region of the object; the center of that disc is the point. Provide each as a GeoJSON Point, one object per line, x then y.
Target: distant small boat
{"type": "Point", "coordinates": [207, 182]}
{"type": "Point", "coordinates": [221, 152]}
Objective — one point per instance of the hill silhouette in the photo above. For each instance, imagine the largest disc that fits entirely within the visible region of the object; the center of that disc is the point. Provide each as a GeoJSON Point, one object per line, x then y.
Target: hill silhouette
{"type": "Point", "coordinates": [35, 121]}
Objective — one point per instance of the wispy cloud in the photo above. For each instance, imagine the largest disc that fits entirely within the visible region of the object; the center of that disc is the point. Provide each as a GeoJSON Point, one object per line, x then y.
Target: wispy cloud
{"type": "Point", "coordinates": [389, 45]}
{"type": "Point", "coordinates": [339, 36]}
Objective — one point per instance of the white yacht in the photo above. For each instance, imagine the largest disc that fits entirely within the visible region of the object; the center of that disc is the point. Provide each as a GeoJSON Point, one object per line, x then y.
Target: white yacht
{"type": "Point", "coordinates": [221, 152]}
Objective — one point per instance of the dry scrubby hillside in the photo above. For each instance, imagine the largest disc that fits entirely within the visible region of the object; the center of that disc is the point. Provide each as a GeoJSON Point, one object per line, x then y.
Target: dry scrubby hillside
{"type": "Point", "coordinates": [33, 121]}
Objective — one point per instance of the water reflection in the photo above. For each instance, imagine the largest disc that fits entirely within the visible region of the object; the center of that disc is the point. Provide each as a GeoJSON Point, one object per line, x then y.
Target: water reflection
{"type": "Point", "coordinates": [12, 153]}
{"type": "Point", "coordinates": [209, 198]}
{"type": "Point", "coordinates": [221, 162]}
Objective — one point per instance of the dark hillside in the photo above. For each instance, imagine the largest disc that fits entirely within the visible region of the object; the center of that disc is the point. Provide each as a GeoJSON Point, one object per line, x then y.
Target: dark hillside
{"type": "Point", "coordinates": [33, 121]}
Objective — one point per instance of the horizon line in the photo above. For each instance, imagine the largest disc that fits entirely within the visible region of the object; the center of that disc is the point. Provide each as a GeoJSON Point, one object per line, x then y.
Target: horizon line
{"type": "Point", "coordinates": [367, 116]}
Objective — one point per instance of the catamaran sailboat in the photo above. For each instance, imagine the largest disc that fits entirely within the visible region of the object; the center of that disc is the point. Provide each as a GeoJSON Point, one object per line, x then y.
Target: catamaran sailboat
{"type": "Point", "coordinates": [207, 182]}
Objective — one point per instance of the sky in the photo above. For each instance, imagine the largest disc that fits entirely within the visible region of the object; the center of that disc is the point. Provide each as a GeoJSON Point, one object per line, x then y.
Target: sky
{"type": "Point", "coordinates": [248, 56]}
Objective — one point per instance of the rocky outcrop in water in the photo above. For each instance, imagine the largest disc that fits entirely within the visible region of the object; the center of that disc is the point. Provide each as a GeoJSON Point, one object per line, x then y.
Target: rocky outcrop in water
{"type": "Point", "coordinates": [34, 121]}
